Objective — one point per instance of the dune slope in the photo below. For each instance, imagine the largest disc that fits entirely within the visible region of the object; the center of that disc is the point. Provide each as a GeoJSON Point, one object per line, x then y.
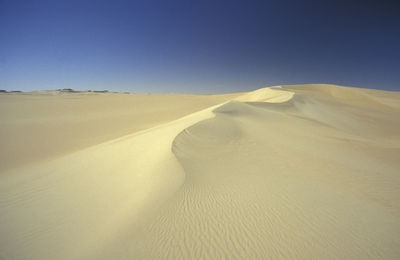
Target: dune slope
{"type": "Point", "coordinates": [291, 172]}
{"type": "Point", "coordinates": [60, 123]}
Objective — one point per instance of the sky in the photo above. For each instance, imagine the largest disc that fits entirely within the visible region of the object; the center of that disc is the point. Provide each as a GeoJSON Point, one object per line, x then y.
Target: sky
{"type": "Point", "coordinates": [198, 46]}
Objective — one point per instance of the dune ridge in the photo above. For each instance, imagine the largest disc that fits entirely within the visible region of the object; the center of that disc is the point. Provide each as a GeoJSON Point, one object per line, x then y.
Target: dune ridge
{"type": "Point", "coordinates": [63, 122]}
{"type": "Point", "coordinates": [286, 172]}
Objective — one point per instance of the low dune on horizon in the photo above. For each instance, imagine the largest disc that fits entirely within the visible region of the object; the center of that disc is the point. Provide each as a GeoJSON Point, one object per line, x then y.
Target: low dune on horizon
{"type": "Point", "coordinates": [284, 172]}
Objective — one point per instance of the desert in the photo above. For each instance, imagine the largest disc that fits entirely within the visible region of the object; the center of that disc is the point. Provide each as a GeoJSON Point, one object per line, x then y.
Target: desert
{"type": "Point", "coordinates": [282, 172]}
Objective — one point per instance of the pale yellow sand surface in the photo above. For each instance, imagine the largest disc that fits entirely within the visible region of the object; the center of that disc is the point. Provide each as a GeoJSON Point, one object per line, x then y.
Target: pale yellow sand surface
{"type": "Point", "coordinates": [287, 172]}
{"type": "Point", "coordinates": [45, 124]}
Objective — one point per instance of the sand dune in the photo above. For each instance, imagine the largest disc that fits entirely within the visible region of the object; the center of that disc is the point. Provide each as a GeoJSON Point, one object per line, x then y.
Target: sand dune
{"type": "Point", "coordinates": [288, 172]}
{"type": "Point", "coordinates": [63, 122]}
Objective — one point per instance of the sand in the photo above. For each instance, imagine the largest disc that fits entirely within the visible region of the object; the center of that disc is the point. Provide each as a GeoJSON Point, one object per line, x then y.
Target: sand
{"type": "Point", "coordinates": [61, 122]}
{"type": "Point", "coordinates": [286, 172]}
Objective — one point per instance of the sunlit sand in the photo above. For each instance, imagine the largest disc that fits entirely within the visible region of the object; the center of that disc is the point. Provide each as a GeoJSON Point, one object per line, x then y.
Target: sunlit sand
{"type": "Point", "coordinates": [286, 172]}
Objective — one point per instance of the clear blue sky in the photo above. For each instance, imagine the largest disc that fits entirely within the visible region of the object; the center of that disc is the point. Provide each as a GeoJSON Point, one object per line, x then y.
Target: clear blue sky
{"type": "Point", "coordinates": [198, 46]}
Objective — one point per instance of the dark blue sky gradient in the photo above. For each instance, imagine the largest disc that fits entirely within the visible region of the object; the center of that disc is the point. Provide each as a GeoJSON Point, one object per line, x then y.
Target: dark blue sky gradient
{"type": "Point", "coordinates": [198, 46]}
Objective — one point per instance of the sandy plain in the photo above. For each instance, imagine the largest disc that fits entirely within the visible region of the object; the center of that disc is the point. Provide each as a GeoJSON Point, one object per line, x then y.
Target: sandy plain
{"type": "Point", "coordinates": [285, 172]}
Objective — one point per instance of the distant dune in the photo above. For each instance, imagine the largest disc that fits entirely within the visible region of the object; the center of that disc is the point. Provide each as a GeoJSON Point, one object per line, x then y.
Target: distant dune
{"type": "Point", "coordinates": [286, 172]}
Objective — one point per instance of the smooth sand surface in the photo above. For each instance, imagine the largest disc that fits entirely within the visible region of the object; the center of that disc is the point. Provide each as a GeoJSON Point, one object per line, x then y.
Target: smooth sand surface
{"type": "Point", "coordinates": [40, 125]}
{"type": "Point", "coordinates": [287, 172]}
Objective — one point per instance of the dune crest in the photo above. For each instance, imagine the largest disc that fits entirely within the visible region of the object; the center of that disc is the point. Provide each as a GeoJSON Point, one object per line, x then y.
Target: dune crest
{"type": "Point", "coordinates": [63, 122]}
{"type": "Point", "coordinates": [288, 172]}
{"type": "Point", "coordinates": [271, 95]}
